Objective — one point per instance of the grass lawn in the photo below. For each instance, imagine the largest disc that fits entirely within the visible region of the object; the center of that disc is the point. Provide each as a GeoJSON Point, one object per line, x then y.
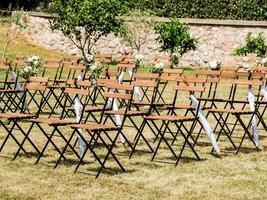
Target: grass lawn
{"type": "Point", "coordinates": [242, 176]}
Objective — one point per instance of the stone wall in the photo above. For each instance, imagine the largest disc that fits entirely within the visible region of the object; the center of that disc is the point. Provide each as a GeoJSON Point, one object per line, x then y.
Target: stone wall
{"type": "Point", "coordinates": [217, 40]}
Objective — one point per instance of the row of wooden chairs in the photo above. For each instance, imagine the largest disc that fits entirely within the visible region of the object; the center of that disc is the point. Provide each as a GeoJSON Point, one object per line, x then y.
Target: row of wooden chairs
{"type": "Point", "coordinates": [161, 117]}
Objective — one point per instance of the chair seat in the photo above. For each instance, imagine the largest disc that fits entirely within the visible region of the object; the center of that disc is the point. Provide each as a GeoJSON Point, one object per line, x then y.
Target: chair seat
{"type": "Point", "coordinates": [53, 122]}
{"type": "Point", "coordinates": [9, 91]}
{"type": "Point", "coordinates": [93, 108]}
{"type": "Point", "coordinates": [122, 112]}
{"type": "Point", "coordinates": [169, 118]}
{"type": "Point", "coordinates": [232, 111]}
{"type": "Point", "coordinates": [212, 99]}
{"type": "Point", "coordinates": [7, 81]}
{"type": "Point", "coordinates": [16, 116]}
{"type": "Point", "coordinates": [56, 86]}
{"type": "Point", "coordinates": [95, 127]}
{"type": "Point", "coordinates": [148, 104]}
{"type": "Point", "coordinates": [181, 107]}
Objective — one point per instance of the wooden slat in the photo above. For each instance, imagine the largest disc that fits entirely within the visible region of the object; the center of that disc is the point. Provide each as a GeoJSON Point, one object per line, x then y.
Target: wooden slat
{"type": "Point", "coordinates": [113, 73]}
{"type": "Point", "coordinates": [190, 88]}
{"type": "Point", "coordinates": [213, 80]}
{"type": "Point", "coordinates": [34, 86]}
{"type": "Point", "coordinates": [258, 75]}
{"type": "Point", "coordinates": [79, 83]}
{"type": "Point", "coordinates": [76, 91]}
{"type": "Point", "coordinates": [142, 83]}
{"type": "Point", "coordinates": [146, 76]}
{"type": "Point", "coordinates": [207, 72]}
{"type": "Point", "coordinates": [260, 69]}
{"type": "Point", "coordinates": [191, 80]}
{"type": "Point", "coordinates": [117, 95]}
{"type": "Point", "coordinates": [109, 56]}
{"type": "Point", "coordinates": [119, 86]}
{"type": "Point", "coordinates": [106, 81]}
{"type": "Point", "coordinates": [248, 82]}
{"type": "Point", "coordinates": [52, 60]}
{"type": "Point", "coordinates": [228, 74]}
{"type": "Point", "coordinates": [38, 79]}
{"type": "Point", "coordinates": [51, 66]}
{"type": "Point", "coordinates": [75, 67]}
{"type": "Point", "coordinates": [168, 78]}
{"type": "Point", "coordinates": [126, 65]}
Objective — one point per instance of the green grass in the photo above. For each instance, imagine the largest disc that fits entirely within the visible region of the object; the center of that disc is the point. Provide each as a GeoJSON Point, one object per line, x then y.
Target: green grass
{"type": "Point", "coordinates": [237, 177]}
{"type": "Point", "coordinates": [22, 47]}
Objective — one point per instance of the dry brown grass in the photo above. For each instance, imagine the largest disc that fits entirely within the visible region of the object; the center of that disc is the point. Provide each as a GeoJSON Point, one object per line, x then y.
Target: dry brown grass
{"type": "Point", "coordinates": [242, 176]}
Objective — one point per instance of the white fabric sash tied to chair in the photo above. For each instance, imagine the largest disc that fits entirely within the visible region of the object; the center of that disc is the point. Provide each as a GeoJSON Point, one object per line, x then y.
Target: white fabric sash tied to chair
{"type": "Point", "coordinates": [137, 90]}
{"type": "Point", "coordinates": [77, 105]}
{"type": "Point", "coordinates": [18, 87]}
{"type": "Point", "coordinates": [203, 120]}
{"type": "Point", "coordinates": [251, 100]}
{"type": "Point", "coordinates": [78, 114]}
{"type": "Point", "coordinates": [264, 92]}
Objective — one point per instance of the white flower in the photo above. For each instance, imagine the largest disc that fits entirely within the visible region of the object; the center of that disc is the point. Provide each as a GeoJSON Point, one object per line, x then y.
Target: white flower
{"type": "Point", "coordinates": [214, 64]}
{"type": "Point", "coordinates": [36, 58]}
{"type": "Point", "coordinates": [262, 61]}
{"type": "Point", "coordinates": [90, 58]}
{"type": "Point", "coordinates": [30, 59]}
{"type": "Point", "coordinates": [95, 66]}
{"type": "Point", "coordinates": [36, 62]}
{"type": "Point", "coordinates": [175, 55]}
{"type": "Point", "coordinates": [138, 58]}
{"type": "Point", "coordinates": [246, 66]}
{"type": "Point", "coordinates": [159, 65]}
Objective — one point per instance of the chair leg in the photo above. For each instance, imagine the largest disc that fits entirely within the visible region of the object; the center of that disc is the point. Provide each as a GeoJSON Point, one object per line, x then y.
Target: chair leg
{"type": "Point", "coordinates": [246, 132]}
{"type": "Point", "coordinates": [24, 140]}
{"type": "Point", "coordinates": [65, 148]}
{"type": "Point", "coordinates": [49, 139]}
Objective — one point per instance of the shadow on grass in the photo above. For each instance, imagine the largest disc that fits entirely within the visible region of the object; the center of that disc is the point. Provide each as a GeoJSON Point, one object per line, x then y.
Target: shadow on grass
{"type": "Point", "coordinates": [92, 171]}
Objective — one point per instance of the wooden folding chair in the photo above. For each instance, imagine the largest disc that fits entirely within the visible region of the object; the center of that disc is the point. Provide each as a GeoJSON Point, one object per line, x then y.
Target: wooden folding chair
{"type": "Point", "coordinates": [57, 125]}
{"type": "Point", "coordinates": [9, 95]}
{"type": "Point", "coordinates": [104, 58]}
{"type": "Point", "coordinates": [235, 108]}
{"type": "Point", "coordinates": [26, 112]}
{"type": "Point", "coordinates": [177, 121]}
{"type": "Point", "coordinates": [101, 132]}
{"type": "Point", "coordinates": [164, 81]}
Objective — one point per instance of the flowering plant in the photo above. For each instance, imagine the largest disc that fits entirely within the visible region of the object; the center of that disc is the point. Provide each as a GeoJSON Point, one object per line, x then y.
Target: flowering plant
{"type": "Point", "coordinates": [88, 60]}
{"type": "Point", "coordinates": [138, 59]}
{"type": "Point", "coordinates": [32, 66]}
{"type": "Point", "coordinates": [96, 72]}
{"type": "Point", "coordinates": [262, 62]}
{"type": "Point", "coordinates": [157, 68]}
{"type": "Point", "coordinates": [215, 64]}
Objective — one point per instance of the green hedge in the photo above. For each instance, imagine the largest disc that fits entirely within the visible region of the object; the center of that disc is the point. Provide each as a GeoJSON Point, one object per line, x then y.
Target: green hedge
{"type": "Point", "coordinates": [210, 9]}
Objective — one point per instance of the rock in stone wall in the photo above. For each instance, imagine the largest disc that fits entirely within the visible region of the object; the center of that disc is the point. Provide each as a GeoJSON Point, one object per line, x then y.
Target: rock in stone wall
{"type": "Point", "coordinates": [217, 40]}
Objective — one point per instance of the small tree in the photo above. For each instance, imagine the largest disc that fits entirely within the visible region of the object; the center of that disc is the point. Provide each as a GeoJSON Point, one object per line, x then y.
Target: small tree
{"type": "Point", "coordinates": [137, 29]}
{"type": "Point", "coordinates": [85, 21]}
{"type": "Point", "coordinates": [17, 22]}
{"type": "Point", "coordinates": [253, 45]}
{"type": "Point", "coordinates": [175, 39]}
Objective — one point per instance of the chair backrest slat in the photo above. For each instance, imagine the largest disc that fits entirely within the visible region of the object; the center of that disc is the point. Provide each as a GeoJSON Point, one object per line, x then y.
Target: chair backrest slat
{"type": "Point", "coordinates": [76, 91]}
{"type": "Point", "coordinates": [189, 88]}
{"type": "Point", "coordinates": [118, 95]}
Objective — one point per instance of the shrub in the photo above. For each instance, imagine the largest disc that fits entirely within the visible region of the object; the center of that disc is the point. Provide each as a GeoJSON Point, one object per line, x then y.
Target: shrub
{"type": "Point", "coordinates": [212, 9]}
{"type": "Point", "coordinates": [175, 39]}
